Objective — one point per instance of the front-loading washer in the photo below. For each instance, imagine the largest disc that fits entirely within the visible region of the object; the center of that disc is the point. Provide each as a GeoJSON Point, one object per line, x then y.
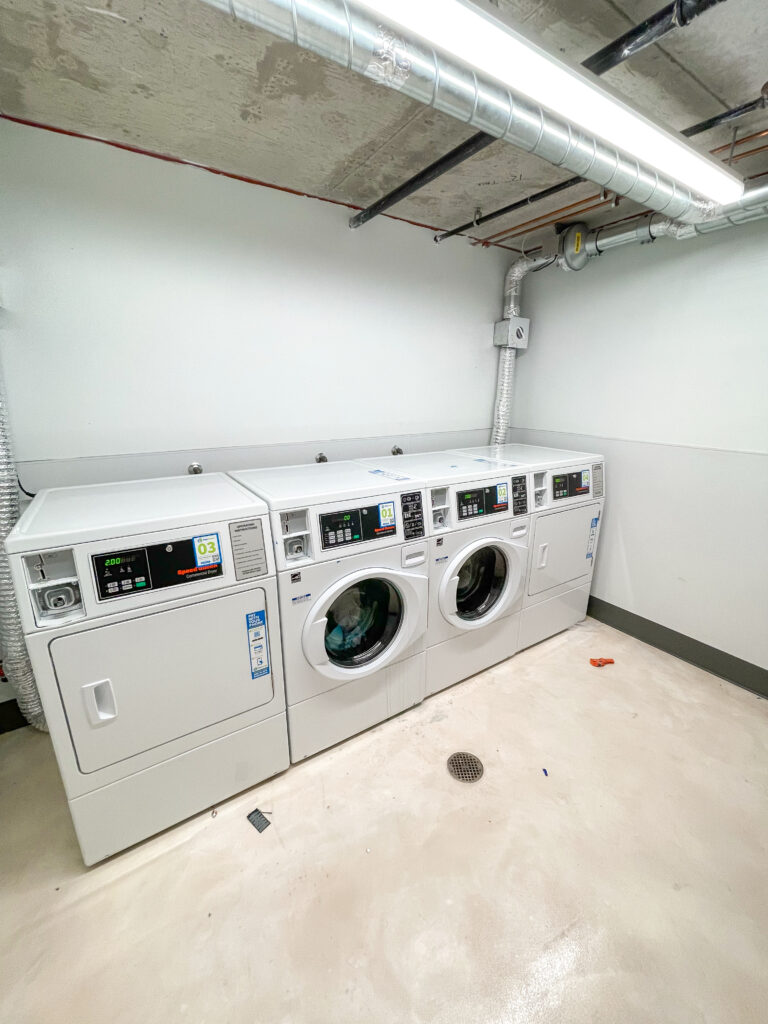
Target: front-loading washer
{"type": "Point", "coordinates": [568, 500]}
{"type": "Point", "coordinates": [151, 618]}
{"type": "Point", "coordinates": [478, 551]}
{"type": "Point", "coordinates": [351, 554]}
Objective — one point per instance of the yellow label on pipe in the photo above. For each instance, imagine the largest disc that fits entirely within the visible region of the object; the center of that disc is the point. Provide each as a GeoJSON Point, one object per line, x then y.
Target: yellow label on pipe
{"type": "Point", "coordinates": [577, 243]}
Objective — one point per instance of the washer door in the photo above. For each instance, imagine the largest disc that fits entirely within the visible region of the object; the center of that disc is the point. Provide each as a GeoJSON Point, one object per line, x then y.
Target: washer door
{"type": "Point", "coordinates": [362, 623]}
{"type": "Point", "coordinates": [481, 582]}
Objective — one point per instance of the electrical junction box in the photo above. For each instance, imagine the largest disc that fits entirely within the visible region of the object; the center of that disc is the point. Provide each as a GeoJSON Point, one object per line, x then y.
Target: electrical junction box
{"type": "Point", "coordinates": [512, 333]}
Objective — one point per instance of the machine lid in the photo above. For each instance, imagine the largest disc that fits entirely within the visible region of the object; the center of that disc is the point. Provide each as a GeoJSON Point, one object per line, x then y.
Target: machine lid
{"type": "Point", "coordinates": [529, 455]}
{"type": "Point", "coordinates": [284, 487]}
{"type": "Point", "coordinates": [70, 515]}
{"type": "Point", "coordinates": [438, 467]}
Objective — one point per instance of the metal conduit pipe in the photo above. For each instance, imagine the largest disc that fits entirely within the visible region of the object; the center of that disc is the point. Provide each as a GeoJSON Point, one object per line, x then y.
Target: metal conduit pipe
{"type": "Point", "coordinates": [350, 35]}
{"type": "Point", "coordinates": [505, 376]}
{"type": "Point", "coordinates": [16, 664]}
{"type": "Point", "coordinates": [752, 206]}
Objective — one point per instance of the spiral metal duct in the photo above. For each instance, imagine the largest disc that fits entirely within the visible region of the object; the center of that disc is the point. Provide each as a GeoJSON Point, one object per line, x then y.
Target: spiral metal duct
{"type": "Point", "coordinates": [351, 35]}
{"type": "Point", "coordinates": [16, 664]}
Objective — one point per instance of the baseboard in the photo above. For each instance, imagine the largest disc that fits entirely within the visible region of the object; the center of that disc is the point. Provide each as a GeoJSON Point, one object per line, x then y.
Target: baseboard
{"type": "Point", "coordinates": [10, 716]}
{"type": "Point", "coordinates": [735, 670]}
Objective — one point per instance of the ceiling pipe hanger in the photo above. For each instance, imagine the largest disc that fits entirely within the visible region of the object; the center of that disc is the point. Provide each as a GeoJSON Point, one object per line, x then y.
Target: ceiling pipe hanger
{"type": "Point", "coordinates": [695, 129]}
{"type": "Point", "coordinates": [674, 15]}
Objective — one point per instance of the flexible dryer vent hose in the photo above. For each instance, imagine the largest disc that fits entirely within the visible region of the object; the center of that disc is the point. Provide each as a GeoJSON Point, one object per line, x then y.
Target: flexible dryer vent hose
{"type": "Point", "coordinates": [16, 664]}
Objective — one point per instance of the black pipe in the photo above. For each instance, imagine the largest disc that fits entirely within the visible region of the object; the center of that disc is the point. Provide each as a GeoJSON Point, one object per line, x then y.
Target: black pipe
{"type": "Point", "coordinates": [728, 115]}
{"type": "Point", "coordinates": [445, 163]}
{"type": "Point", "coordinates": [678, 13]}
{"type": "Point", "coordinates": [674, 15]}
{"type": "Point", "coordinates": [695, 129]}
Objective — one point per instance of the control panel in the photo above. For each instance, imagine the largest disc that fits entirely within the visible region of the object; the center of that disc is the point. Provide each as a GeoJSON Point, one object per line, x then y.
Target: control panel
{"type": "Point", "coordinates": [483, 501]}
{"type": "Point", "coordinates": [413, 515]}
{"type": "Point", "coordinates": [134, 571]}
{"type": "Point", "coordinates": [570, 485]}
{"type": "Point", "coordinates": [355, 525]}
{"type": "Point", "coordinates": [519, 495]}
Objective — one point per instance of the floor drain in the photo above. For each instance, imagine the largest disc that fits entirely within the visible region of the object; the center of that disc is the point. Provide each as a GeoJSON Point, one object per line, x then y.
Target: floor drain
{"type": "Point", "coordinates": [465, 767]}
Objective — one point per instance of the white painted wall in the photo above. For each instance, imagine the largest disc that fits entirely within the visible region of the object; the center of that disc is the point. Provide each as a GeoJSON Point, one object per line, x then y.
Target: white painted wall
{"type": "Point", "coordinates": [151, 307]}
{"type": "Point", "coordinates": [658, 356]}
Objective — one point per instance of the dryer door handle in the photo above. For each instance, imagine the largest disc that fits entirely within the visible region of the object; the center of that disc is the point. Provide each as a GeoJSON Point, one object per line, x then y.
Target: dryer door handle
{"type": "Point", "coordinates": [543, 555]}
{"type": "Point", "coordinates": [100, 704]}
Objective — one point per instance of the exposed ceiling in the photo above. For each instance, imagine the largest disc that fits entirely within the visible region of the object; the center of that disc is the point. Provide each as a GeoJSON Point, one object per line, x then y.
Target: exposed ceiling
{"type": "Point", "coordinates": [180, 78]}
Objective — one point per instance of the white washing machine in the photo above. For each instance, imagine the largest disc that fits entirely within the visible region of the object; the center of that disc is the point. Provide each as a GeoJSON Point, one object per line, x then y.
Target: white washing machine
{"type": "Point", "coordinates": [568, 496]}
{"type": "Point", "coordinates": [351, 559]}
{"type": "Point", "coordinates": [478, 551]}
{"type": "Point", "coordinates": [151, 617]}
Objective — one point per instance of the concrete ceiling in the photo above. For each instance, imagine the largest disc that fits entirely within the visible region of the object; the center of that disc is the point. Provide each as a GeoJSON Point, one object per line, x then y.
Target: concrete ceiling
{"type": "Point", "coordinates": [179, 78]}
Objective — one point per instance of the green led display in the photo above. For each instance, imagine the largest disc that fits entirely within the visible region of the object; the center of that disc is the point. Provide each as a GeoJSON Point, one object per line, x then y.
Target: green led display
{"type": "Point", "coordinates": [112, 561]}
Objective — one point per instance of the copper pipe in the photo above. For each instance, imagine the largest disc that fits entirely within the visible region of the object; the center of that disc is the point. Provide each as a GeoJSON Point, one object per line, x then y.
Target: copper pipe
{"type": "Point", "coordinates": [750, 152]}
{"type": "Point", "coordinates": [542, 216]}
{"type": "Point", "coordinates": [515, 232]}
{"type": "Point", "coordinates": [739, 142]}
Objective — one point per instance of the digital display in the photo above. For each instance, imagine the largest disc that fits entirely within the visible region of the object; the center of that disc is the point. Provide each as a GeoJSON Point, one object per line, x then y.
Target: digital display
{"type": "Point", "coordinates": [483, 501]}
{"type": "Point", "coordinates": [570, 485]}
{"type": "Point", "coordinates": [353, 526]}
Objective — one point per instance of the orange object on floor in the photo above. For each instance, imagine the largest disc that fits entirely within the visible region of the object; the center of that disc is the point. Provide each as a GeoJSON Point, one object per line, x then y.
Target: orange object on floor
{"type": "Point", "coordinates": [599, 662]}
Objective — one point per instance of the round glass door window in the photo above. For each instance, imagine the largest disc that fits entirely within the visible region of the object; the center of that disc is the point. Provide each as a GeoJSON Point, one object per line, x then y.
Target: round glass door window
{"type": "Point", "coordinates": [482, 577]}
{"type": "Point", "coordinates": [362, 622]}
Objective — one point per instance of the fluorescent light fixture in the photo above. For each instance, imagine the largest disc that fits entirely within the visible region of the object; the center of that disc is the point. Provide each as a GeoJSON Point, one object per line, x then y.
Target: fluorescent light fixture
{"type": "Point", "coordinates": [488, 46]}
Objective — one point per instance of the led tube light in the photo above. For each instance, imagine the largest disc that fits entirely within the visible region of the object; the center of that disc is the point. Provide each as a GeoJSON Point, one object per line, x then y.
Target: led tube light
{"type": "Point", "coordinates": [488, 46]}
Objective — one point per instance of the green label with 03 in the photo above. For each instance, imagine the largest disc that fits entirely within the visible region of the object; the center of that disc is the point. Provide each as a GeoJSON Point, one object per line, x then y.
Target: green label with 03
{"type": "Point", "coordinates": [207, 550]}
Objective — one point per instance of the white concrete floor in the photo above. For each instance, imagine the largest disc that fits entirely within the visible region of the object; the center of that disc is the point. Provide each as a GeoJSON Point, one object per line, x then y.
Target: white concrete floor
{"type": "Point", "coordinates": [628, 885]}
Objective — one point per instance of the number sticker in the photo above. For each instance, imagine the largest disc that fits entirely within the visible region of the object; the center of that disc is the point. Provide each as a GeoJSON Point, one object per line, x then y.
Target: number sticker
{"type": "Point", "coordinates": [207, 550]}
{"type": "Point", "coordinates": [387, 514]}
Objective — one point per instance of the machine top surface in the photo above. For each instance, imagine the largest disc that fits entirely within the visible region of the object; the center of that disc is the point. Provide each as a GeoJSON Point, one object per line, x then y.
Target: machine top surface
{"type": "Point", "coordinates": [66, 515]}
{"type": "Point", "coordinates": [529, 455]}
{"type": "Point", "coordinates": [284, 487]}
{"type": "Point", "coordinates": [438, 467]}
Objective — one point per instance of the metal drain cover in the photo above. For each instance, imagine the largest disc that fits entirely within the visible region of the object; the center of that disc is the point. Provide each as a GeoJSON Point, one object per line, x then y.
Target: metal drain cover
{"type": "Point", "coordinates": [465, 767]}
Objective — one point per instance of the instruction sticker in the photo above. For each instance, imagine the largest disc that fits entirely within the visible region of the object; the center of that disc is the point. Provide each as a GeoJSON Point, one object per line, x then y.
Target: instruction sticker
{"type": "Point", "coordinates": [390, 476]}
{"type": "Point", "coordinates": [592, 537]}
{"type": "Point", "coordinates": [207, 550]}
{"type": "Point", "coordinates": [258, 647]}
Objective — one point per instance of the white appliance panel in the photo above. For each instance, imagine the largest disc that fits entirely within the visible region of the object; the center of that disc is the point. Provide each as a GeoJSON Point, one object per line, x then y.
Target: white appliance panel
{"type": "Point", "coordinates": [561, 547]}
{"type": "Point", "coordinates": [135, 685]}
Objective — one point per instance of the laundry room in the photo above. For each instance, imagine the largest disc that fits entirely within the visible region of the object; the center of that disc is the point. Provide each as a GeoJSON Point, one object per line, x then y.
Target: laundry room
{"type": "Point", "coordinates": [383, 490]}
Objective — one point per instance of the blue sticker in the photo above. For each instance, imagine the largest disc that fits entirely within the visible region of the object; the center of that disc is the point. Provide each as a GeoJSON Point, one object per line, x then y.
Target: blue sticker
{"type": "Point", "coordinates": [258, 645]}
{"type": "Point", "coordinates": [595, 521]}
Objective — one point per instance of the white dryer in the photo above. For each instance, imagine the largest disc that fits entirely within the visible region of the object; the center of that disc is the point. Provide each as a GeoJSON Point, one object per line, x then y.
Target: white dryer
{"type": "Point", "coordinates": [151, 618]}
{"type": "Point", "coordinates": [478, 552]}
{"type": "Point", "coordinates": [351, 558]}
{"type": "Point", "coordinates": [568, 497]}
